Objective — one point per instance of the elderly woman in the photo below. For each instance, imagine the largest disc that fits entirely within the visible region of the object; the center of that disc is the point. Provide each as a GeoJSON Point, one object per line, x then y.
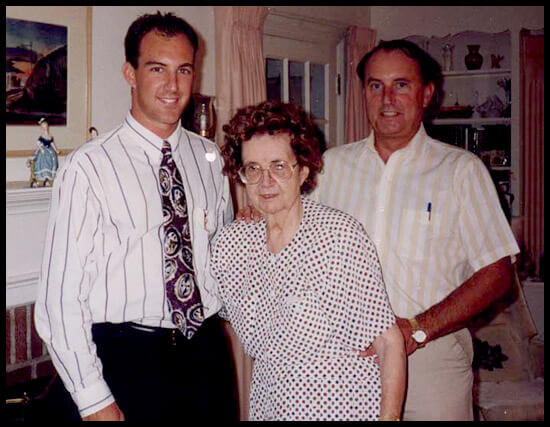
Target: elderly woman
{"type": "Point", "coordinates": [303, 287]}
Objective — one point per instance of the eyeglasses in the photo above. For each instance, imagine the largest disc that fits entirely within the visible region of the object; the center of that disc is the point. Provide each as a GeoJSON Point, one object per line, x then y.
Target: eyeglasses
{"type": "Point", "coordinates": [279, 171]}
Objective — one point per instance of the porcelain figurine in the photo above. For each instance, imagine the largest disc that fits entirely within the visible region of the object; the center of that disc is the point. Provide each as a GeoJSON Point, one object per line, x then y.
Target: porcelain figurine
{"type": "Point", "coordinates": [495, 60]}
{"type": "Point", "coordinates": [44, 162]}
{"type": "Point", "coordinates": [92, 133]}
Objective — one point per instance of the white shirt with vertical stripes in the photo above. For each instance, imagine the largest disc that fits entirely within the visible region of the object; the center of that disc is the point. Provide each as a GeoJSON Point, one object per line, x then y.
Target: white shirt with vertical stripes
{"type": "Point", "coordinates": [103, 259]}
{"type": "Point", "coordinates": [432, 212]}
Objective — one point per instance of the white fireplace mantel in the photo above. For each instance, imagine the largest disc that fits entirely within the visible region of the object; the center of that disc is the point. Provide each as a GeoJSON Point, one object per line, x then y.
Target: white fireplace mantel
{"type": "Point", "coordinates": [20, 198]}
{"type": "Point", "coordinates": [26, 220]}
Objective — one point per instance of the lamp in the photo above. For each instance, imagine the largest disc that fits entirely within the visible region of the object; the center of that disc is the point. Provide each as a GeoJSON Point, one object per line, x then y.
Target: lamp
{"type": "Point", "coordinates": [204, 115]}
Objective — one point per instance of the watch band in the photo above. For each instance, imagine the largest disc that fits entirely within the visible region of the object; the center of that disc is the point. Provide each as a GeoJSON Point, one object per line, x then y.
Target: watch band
{"type": "Point", "coordinates": [421, 340]}
{"type": "Point", "coordinates": [414, 324]}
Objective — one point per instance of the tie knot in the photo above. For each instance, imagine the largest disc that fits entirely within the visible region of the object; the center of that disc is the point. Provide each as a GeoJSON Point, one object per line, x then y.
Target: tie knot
{"type": "Point", "coordinates": [166, 146]}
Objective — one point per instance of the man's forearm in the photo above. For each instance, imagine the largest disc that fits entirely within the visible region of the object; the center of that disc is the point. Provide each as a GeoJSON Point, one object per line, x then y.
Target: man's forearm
{"type": "Point", "coordinates": [474, 296]}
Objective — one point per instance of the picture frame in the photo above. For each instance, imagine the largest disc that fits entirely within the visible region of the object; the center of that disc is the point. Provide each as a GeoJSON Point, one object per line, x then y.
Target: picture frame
{"type": "Point", "coordinates": [21, 139]}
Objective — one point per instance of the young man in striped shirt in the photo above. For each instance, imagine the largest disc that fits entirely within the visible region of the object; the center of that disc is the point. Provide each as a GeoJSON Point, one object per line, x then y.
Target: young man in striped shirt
{"type": "Point", "coordinates": [434, 216]}
{"type": "Point", "coordinates": [102, 307]}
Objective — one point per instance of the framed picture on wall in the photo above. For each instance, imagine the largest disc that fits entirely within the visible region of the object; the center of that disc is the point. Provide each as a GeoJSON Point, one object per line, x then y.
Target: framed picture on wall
{"type": "Point", "coordinates": [36, 72]}
{"type": "Point", "coordinates": [47, 75]}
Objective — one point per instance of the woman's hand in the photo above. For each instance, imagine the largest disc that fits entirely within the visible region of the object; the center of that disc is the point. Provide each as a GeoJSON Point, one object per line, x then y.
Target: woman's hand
{"type": "Point", "coordinates": [248, 214]}
{"type": "Point", "coordinates": [410, 344]}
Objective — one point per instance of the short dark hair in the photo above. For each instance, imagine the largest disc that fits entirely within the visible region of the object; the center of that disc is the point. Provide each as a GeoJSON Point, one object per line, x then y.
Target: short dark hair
{"type": "Point", "coordinates": [168, 25]}
{"type": "Point", "coordinates": [306, 139]}
{"type": "Point", "coordinates": [430, 70]}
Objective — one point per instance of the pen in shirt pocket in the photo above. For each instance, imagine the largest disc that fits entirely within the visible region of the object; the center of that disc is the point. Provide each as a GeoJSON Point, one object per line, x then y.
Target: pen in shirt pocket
{"type": "Point", "coordinates": [429, 211]}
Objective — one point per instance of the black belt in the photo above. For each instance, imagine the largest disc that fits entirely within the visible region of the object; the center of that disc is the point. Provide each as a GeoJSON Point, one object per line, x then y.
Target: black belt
{"type": "Point", "coordinates": [141, 332]}
{"type": "Point", "coordinates": [147, 328]}
{"type": "Point", "coordinates": [169, 333]}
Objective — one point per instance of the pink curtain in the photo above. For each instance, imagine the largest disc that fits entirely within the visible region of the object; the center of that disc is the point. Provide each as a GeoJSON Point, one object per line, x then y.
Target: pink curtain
{"type": "Point", "coordinates": [240, 81]}
{"type": "Point", "coordinates": [240, 69]}
{"type": "Point", "coordinates": [358, 42]}
{"type": "Point", "coordinates": [532, 133]}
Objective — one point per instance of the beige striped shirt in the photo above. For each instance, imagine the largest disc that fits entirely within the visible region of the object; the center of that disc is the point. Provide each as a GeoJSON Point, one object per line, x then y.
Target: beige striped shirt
{"type": "Point", "coordinates": [432, 211]}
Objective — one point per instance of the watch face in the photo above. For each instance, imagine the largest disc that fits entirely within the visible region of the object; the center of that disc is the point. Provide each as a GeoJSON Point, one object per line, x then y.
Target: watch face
{"type": "Point", "coordinates": [419, 336]}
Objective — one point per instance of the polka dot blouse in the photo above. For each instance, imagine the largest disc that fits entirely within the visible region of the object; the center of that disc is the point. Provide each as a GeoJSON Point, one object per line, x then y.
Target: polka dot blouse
{"type": "Point", "coordinates": [302, 315]}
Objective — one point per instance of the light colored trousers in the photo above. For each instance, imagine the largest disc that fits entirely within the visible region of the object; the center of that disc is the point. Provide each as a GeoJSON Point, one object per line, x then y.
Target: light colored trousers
{"type": "Point", "coordinates": [440, 380]}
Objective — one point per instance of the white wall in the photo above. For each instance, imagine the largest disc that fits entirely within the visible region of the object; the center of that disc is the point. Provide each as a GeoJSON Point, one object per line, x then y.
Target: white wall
{"type": "Point", "coordinates": [349, 15]}
{"type": "Point", "coordinates": [110, 93]}
{"type": "Point", "coordinates": [393, 22]}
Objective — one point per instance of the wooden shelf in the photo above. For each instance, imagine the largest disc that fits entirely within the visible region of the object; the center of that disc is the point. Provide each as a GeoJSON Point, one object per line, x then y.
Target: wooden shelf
{"type": "Point", "coordinates": [473, 121]}
{"type": "Point", "coordinates": [478, 73]}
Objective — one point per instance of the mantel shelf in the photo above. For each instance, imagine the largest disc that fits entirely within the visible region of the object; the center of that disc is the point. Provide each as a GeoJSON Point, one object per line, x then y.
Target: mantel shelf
{"type": "Point", "coordinates": [20, 198]}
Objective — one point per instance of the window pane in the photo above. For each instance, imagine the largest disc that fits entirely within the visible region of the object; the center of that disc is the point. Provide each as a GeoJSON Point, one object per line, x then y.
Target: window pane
{"type": "Point", "coordinates": [274, 75]}
{"type": "Point", "coordinates": [317, 86]}
{"type": "Point", "coordinates": [296, 85]}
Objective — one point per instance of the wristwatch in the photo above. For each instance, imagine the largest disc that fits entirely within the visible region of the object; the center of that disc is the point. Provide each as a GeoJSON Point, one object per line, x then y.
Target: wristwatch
{"type": "Point", "coordinates": [418, 335]}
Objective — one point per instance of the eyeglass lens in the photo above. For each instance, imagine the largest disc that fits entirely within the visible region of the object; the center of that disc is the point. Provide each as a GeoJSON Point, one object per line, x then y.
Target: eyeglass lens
{"type": "Point", "coordinates": [279, 170]}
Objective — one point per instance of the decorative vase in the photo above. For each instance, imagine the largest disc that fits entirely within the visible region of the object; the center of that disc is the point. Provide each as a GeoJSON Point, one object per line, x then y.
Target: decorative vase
{"type": "Point", "coordinates": [473, 59]}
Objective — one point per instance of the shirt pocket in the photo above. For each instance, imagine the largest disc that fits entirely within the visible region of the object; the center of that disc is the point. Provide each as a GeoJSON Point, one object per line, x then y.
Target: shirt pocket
{"type": "Point", "coordinates": [415, 233]}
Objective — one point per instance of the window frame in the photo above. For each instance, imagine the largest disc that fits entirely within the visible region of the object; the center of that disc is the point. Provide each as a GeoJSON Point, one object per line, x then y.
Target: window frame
{"type": "Point", "coordinates": [292, 39]}
{"type": "Point", "coordinates": [323, 123]}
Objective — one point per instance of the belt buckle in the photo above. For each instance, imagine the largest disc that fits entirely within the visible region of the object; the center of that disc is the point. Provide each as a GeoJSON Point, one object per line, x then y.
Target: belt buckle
{"type": "Point", "coordinates": [141, 328]}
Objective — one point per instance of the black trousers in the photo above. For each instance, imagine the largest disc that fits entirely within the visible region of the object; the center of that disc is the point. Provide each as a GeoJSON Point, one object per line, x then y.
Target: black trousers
{"type": "Point", "coordinates": [161, 375]}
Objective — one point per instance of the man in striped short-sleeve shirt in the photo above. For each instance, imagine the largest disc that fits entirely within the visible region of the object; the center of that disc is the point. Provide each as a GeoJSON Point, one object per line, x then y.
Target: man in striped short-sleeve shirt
{"type": "Point", "coordinates": [434, 215]}
{"type": "Point", "coordinates": [102, 308]}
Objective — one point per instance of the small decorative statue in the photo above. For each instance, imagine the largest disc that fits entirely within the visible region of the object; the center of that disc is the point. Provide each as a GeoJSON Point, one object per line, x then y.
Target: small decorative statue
{"type": "Point", "coordinates": [495, 60]}
{"type": "Point", "coordinates": [492, 107]}
{"type": "Point", "coordinates": [92, 133]}
{"type": "Point", "coordinates": [43, 163]}
{"type": "Point", "coordinates": [448, 57]}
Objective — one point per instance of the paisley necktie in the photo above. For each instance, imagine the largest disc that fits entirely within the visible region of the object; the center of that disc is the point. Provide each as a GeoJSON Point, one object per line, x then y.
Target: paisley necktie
{"type": "Point", "coordinates": [181, 289]}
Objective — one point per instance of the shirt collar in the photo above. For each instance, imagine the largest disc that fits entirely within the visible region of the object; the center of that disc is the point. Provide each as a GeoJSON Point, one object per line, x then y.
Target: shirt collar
{"type": "Point", "coordinates": [151, 141]}
{"type": "Point", "coordinates": [411, 148]}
